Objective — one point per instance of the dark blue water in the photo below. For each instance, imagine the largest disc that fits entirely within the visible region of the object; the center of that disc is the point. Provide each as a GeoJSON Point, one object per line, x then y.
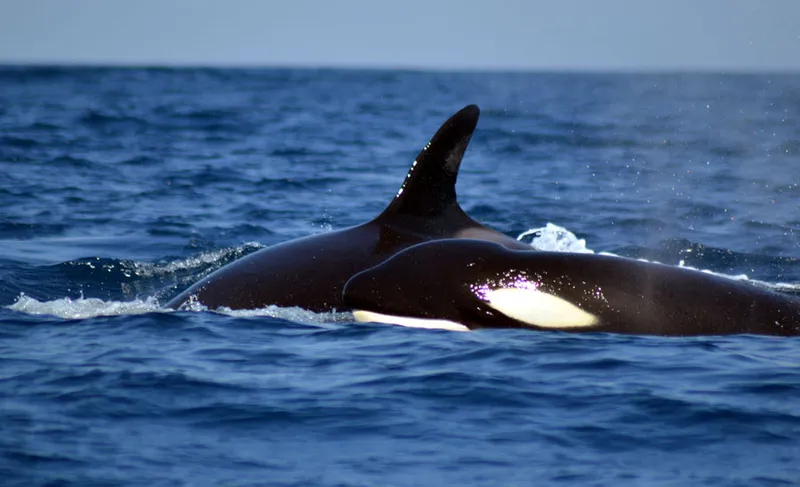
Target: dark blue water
{"type": "Point", "coordinates": [120, 187]}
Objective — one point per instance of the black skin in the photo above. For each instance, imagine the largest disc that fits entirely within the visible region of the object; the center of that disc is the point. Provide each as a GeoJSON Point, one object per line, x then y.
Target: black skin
{"type": "Point", "coordinates": [437, 280]}
{"type": "Point", "coordinates": [311, 272]}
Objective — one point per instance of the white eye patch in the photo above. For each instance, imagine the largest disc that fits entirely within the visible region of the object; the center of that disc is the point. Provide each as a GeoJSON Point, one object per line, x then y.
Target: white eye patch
{"type": "Point", "coordinates": [369, 316]}
{"type": "Point", "coordinates": [538, 308]}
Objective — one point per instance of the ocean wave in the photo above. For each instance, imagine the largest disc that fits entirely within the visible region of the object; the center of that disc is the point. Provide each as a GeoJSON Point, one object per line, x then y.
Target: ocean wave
{"type": "Point", "coordinates": [69, 308]}
{"type": "Point", "coordinates": [83, 308]}
{"type": "Point", "coordinates": [202, 260]}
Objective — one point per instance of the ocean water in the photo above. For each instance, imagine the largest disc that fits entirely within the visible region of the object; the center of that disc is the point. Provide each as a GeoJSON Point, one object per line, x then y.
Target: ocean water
{"type": "Point", "coordinates": [120, 187]}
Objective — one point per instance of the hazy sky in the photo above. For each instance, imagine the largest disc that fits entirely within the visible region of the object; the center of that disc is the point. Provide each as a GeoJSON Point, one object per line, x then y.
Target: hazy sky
{"type": "Point", "coordinates": [573, 34]}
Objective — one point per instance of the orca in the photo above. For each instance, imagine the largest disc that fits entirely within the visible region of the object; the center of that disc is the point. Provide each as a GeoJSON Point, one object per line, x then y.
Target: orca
{"type": "Point", "coordinates": [465, 285]}
{"type": "Point", "coordinates": [310, 272]}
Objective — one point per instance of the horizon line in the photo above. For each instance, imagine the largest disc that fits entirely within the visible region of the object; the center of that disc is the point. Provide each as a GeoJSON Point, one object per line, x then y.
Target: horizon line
{"type": "Point", "coordinates": [565, 69]}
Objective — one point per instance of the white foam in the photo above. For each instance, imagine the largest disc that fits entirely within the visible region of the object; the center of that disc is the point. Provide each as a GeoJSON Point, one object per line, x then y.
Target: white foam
{"type": "Point", "coordinates": [554, 238]}
{"type": "Point", "coordinates": [81, 308]}
{"type": "Point", "coordinates": [294, 314]}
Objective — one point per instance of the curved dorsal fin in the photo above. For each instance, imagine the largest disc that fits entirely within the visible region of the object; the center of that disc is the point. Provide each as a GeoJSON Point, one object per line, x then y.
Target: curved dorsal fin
{"type": "Point", "coordinates": [430, 185]}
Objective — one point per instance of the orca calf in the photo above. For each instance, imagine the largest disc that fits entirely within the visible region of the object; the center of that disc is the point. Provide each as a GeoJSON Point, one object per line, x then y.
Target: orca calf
{"type": "Point", "coordinates": [310, 272]}
{"type": "Point", "coordinates": [465, 285]}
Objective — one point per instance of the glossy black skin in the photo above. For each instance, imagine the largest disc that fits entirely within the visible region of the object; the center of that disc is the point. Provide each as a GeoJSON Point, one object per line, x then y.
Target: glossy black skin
{"type": "Point", "coordinates": [310, 272]}
{"type": "Point", "coordinates": [436, 280]}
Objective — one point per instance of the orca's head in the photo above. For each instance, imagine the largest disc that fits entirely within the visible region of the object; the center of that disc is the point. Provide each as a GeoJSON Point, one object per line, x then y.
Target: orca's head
{"type": "Point", "coordinates": [460, 284]}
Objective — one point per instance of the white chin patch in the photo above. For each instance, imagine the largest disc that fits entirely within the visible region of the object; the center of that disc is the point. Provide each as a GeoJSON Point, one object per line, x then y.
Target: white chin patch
{"type": "Point", "coordinates": [369, 316]}
{"type": "Point", "coordinates": [539, 309]}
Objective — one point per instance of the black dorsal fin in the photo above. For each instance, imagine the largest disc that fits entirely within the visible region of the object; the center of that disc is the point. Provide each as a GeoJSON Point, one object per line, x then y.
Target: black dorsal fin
{"type": "Point", "coordinates": [430, 185]}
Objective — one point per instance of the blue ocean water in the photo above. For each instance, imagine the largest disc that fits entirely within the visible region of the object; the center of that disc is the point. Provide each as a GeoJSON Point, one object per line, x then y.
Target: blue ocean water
{"type": "Point", "coordinates": [120, 187]}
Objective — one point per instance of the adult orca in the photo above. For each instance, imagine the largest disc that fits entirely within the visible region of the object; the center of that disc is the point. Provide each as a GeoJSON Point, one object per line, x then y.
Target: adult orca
{"type": "Point", "coordinates": [465, 285]}
{"type": "Point", "coordinates": [310, 272]}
